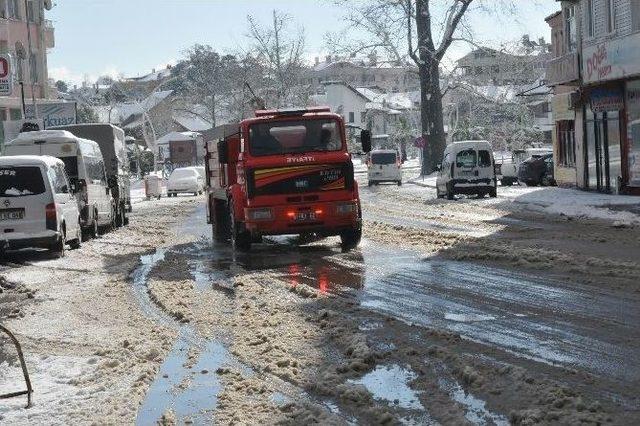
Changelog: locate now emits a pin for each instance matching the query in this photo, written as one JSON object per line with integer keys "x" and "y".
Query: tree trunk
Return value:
{"x": 431, "y": 117}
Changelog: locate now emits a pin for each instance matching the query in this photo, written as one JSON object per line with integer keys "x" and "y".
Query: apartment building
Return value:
{"x": 26, "y": 35}
{"x": 596, "y": 80}
{"x": 392, "y": 78}
{"x": 486, "y": 66}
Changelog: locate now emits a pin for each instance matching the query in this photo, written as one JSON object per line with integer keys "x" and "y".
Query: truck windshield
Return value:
{"x": 294, "y": 137}
{"x": 21, "y": 181}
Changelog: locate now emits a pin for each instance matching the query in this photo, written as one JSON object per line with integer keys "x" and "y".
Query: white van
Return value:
{"x": 85, "y": 167}
{"x": 385, "y": 165}
{"x": 37, "y": 206}
{"x": 468, "y": 167}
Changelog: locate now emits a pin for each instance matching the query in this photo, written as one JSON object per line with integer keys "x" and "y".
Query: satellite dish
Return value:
{"x": 21, "y": 53}
{"x": 48, "y": 4}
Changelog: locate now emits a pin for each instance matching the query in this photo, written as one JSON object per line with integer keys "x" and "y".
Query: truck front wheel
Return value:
{"x": 240, "y": 238}
{"x": 350, "y": 239}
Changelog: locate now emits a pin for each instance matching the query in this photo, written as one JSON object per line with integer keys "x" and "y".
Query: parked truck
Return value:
{"x": 284, "y": 172}
{"x": 111, "y": 140}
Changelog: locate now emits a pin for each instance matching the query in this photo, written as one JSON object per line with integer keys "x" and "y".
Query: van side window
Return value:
{"x": 58, "y": 180}
{"x": 484, "y": 158}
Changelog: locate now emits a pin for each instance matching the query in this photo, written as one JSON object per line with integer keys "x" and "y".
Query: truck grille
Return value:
{"x": 299, "y": 180}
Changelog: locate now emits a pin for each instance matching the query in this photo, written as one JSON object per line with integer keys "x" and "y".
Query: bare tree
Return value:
{"x": 281, "y": 54}
{"x": 420, "y": 31}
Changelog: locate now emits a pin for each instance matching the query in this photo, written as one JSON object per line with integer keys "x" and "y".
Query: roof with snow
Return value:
{"x": 178, "y": 136}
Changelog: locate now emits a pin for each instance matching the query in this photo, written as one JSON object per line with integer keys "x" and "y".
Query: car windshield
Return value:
{"x": 21, "y": 181}
{"x": 294, "y": 137}
{"x": 383, "y": 158}
{"x": 467, "y": 158}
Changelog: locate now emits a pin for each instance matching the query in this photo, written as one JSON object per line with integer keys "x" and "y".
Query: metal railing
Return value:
{"x": 25, "y": 373}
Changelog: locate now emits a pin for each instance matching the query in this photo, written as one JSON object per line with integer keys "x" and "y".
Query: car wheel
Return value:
{"x": 75, "y": 244}
{"x": 94, "y": 231}
{"x": 450, "y": 194}
{"x": 350, "y": 239}
{"x": 59, "y": 248}
{"x": 399, "y": 183}
{"x": 493, "y": 192}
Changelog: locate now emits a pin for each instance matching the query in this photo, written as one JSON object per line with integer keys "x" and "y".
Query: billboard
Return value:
{"x": 54, "y": 113}
{"x": 6, "y": 75}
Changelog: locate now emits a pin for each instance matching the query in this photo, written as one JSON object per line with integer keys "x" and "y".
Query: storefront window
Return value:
{"x": 633, "y": 131}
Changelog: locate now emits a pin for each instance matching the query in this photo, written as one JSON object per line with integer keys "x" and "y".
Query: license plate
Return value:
{"x": 305, "y": 216}
{"x": 12, "y": 214}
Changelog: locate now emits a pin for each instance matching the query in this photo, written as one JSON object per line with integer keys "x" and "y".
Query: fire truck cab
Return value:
{"x": 283, "y": 172}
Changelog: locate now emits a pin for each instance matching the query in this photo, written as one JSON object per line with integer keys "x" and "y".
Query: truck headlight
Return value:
{"x": 260, "y": 214}
{"x": 346, "y": 208}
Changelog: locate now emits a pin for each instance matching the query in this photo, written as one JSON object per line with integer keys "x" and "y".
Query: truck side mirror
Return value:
{"x": 365, "y": 138}
{"x": 223, "y": 152}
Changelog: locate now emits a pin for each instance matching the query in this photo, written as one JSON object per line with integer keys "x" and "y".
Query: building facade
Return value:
{"x": 362, "y": 73}
{"x": 26, "y": 35}
{"x": 596, "y": 79}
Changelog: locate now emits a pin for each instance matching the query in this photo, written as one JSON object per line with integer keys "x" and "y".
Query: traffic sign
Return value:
{"x": 6, "y": 75}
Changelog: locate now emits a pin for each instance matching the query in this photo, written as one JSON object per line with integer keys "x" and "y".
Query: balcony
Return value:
{"x": 563, "y": 70}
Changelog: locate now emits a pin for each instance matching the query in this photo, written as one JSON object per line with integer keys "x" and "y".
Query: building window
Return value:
{"x": 14, "y": 9}
{"x": 32, "y": 11}
{"x": 571, "y": 29}
{"x": 352, "y": 117}
{"x": 611, "y": 15}
{"x": 566, "y": 143}
{"x": 591, "y": 30}
{"x": 635, "y": 13}
{"x": 33, "y": 68}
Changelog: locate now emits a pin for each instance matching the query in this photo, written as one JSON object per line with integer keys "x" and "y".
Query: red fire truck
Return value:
{"x": 283, "y": 172}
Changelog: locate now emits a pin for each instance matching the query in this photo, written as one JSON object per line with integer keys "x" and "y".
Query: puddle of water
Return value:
{"x": 199, "y": 399}
{"x": 468, "y": 317}
{"x": 476, "y": 410}
{"x": 391, "y": 383}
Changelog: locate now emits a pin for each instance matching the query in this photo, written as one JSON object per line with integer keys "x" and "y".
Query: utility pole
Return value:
{"x": 31, "y": 65}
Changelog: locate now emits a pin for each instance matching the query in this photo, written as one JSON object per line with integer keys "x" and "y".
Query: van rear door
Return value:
{"x": 24, "y": 195}
{"x": 384, "y": 165}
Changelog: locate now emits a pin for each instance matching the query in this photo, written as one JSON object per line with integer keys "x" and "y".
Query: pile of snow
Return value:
{"x": 576, "y": 203}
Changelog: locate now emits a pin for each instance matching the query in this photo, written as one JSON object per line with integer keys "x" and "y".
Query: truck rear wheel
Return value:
{"x": 240, "y": 238}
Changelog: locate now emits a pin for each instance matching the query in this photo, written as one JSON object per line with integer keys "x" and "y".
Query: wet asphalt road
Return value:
{"x": 536, "y": 319}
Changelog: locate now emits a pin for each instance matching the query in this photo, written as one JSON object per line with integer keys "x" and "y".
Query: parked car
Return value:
{"x": 85, "y": 167}
{"x": 467, "y": 168}
{"x": 385, "y": 165}
{"x": 506, "y": 168}
{"x": 185, "y": 180}
{"x": 537, "y": 170}
{"x": 37, "y": 205}
{"x": 111, "y": 140}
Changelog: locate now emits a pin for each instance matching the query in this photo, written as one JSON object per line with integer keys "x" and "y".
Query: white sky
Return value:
{"x": 130, "y": 37}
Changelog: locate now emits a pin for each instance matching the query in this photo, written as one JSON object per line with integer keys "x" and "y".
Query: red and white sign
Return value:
{"x": 6, "y": 75}
{"x": 611, "y": 60}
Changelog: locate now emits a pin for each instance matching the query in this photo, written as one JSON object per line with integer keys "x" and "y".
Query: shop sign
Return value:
{"x": 633, "y": 132}
{"x": 563, "y": 106}
{"x": 611, "y": 60}
{"x": 606, "y": 99}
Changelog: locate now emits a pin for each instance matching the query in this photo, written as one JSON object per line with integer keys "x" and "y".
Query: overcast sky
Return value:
{"x": 130, "y": 37}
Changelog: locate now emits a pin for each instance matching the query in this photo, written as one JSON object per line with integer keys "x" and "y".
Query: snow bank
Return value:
{"x": 577, "y": 204}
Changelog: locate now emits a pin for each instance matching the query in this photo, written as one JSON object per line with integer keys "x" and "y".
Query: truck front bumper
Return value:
{"x": 324, "y": 219}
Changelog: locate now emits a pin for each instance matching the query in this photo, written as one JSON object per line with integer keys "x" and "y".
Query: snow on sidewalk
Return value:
{"x": 622, "y": 210}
